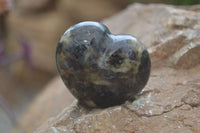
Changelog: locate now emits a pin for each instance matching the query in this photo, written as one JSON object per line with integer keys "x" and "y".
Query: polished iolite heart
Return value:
{"x": 99, "y": 68}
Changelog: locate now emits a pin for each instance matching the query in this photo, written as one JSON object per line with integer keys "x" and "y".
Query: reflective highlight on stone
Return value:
{"x": 99, "y": 68}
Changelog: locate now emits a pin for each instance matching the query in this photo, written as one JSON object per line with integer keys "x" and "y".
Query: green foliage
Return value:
{"x": 173, "y": 2}
{"x": 184, "y": 2}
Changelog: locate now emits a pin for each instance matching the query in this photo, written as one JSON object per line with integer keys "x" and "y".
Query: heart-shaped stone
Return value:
{"x": 99, "y": 68}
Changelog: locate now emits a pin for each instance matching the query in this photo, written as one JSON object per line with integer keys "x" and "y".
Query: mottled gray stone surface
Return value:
{"x": 99, "y": 68}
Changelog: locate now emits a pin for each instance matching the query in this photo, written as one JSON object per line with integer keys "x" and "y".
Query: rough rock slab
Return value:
{"x": 171, "y": 33}
{"x": 170, "y": 102}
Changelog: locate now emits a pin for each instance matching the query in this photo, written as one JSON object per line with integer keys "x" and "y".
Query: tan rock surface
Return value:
{"x": 170, "y": 101}
{"x": 171, "y": 33}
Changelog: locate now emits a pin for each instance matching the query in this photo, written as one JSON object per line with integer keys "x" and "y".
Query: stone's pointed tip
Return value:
{"x": 102, "y": 69}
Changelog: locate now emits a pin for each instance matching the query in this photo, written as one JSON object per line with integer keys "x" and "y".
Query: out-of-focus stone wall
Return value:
{"x": 42, "y": 22}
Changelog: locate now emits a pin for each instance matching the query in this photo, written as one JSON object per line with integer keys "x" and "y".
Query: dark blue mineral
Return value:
{"x": 99, "y": 68}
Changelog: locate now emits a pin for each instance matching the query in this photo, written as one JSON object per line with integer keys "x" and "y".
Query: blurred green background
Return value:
{"x": 173, "y": 2}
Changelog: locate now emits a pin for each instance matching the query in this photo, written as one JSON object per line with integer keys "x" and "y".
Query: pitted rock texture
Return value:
{"x": 99, "y": 68}
{"x": 170, "y": 101}
{"x": 171, "y": 33}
